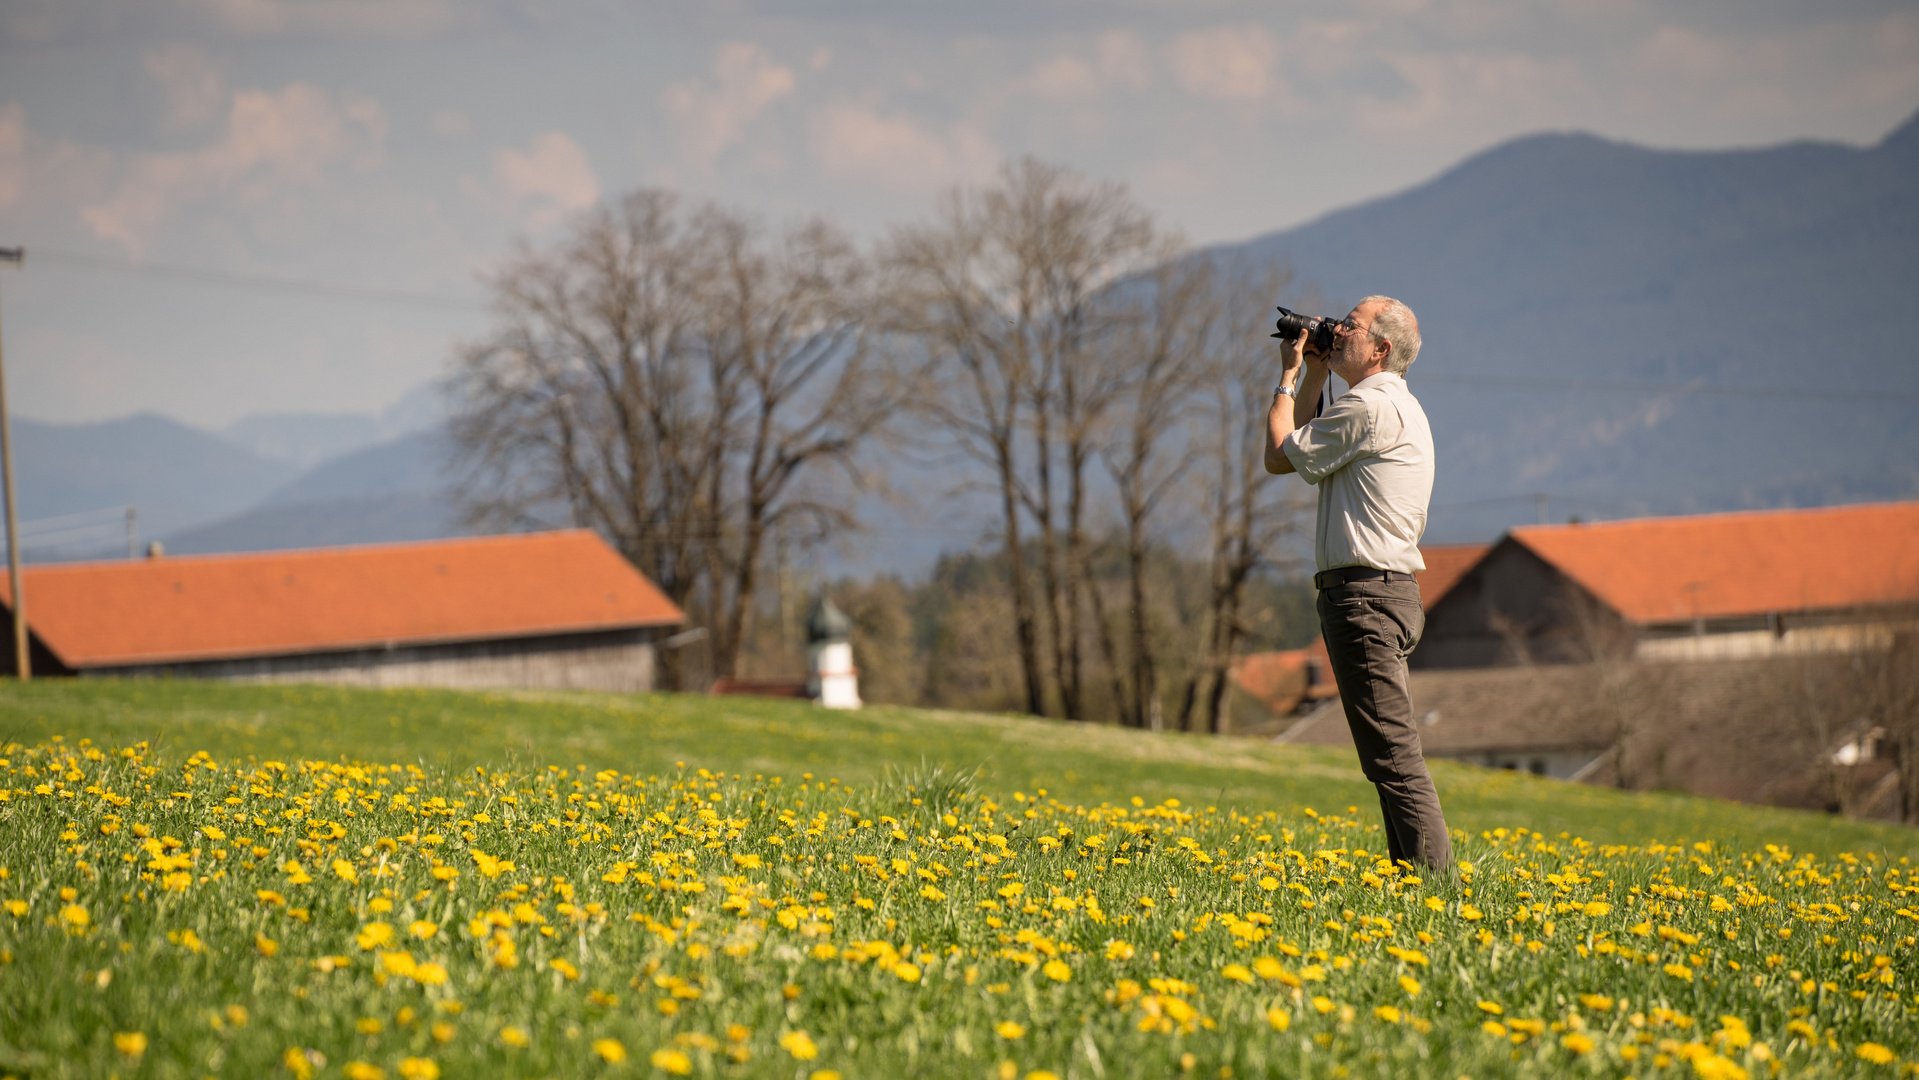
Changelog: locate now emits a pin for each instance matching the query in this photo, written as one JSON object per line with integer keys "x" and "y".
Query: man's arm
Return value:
{"x": 1281, "y": 420}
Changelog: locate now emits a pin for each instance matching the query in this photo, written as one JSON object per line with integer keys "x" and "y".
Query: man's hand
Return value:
{"x": 1292, "y": 358}
{"x": 1280, "y": 417}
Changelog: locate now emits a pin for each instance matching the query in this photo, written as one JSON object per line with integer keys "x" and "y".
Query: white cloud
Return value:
{"x": 195, "y": 91}
{"x": 541, "y": 185}
{"x": 1227, "y": 63}
{"x": 708, "y": 119}
{"x": 1120, "y": 59}
{"x": 274, "y": 144}
{"x": 360, "y": 17}
{"x": 856, "y": 142}
{"x": 452, "y": 123}
{"x": 38, "y": 177}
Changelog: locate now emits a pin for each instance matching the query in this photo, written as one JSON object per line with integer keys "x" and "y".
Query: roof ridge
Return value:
{"x": 334, "y": 550}
{"x": 1715, "y": 516}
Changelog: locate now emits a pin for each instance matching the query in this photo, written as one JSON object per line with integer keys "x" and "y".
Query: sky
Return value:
{"x": 155, "y": 155}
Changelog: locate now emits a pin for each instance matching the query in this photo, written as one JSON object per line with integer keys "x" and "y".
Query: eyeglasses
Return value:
{"x": 1349, "y": 326}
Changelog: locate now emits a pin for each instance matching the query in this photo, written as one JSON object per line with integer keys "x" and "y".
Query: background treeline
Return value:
{"x": 944, "y": 641}
{"x": 714, "y": 395}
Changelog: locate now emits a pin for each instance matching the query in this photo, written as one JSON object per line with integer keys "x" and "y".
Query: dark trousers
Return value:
{"x": 1370, "y": 628}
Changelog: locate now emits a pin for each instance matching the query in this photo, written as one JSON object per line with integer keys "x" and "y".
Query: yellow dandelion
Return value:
{"x": 1237, "y": 973}
{"x": 824, "y": 1074}
{"x": 610, "y": 1051}
{"x": 1007, "y": 1029}
{"x": 515, "y": 1037}
{"x": 1493, "y": 1007}
{"x": 422, "y": 929}
{"x": 1279, "y": 1019}
{"x": 361, "y": 1070}
{"x": 1409, "y": 984}
{"x": 1596, "y": 1002}
{"x": 75, "y": 917}
{"x": 134, "y": 1043}
{"x": 265, "y": 945}
{"x": 17, "y": 908}
{"x": 907, "y": 972}
{"x": 374, "y": 935}
{"x": 564, "y": 968}
{"x": 416, "y": 1068}
{"x": 1577, "y": 1043}
{"x": 672, "y": 1061}
{"x": 1057, "y": 970}
{"x": 344, "y": 870}
{"x": 1323, "y": 1004}
{"x": 1596, "y": 908}
{"x": 1119, "y": 950}
{"x": 1874, "y": 1053}
{"x": 1387, "y": 1013}
{"x": 297, "y": 1063}
{"x": 1679, "y": 971}
{"x": 800, "y": 1045}
{"x": 1494, "y": 1028}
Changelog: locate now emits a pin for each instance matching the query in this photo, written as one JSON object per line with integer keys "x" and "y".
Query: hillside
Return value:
{"x": 1567, "y": 258}
{"x": 177, "y": 476}
{"x": 653, "y": 733}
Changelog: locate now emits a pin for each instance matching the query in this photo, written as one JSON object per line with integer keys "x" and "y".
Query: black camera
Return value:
{"x": 1319, "y": 331}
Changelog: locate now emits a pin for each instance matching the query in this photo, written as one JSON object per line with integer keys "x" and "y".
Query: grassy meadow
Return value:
{"x": 212, "y": 880}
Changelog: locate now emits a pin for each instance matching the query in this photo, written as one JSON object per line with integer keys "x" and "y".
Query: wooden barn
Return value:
{"x": 555, "y": 609}
{"x": 1713, "y": 586}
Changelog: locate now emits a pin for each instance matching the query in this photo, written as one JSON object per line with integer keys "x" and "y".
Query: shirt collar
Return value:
{"x": 1380, "y": 379}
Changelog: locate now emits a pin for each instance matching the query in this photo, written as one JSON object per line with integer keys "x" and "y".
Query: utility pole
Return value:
{"x": 24, "y": 668}
{"x": 132, "y": 546}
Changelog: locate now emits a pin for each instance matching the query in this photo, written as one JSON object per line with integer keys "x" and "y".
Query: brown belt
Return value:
{"x": 1346, "y": 575}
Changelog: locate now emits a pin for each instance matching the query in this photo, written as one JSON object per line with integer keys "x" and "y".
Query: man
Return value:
{"x": 1371, "y": 456}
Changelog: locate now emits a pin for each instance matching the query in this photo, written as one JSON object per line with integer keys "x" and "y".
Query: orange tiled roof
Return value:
{"x": 1445, "y": 565}
{"x": 1281, "y": 679}
{"x": 1665, "y": 570}
{"x": 206, "y": 607}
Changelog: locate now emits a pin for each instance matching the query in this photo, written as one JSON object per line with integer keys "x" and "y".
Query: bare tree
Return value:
{"x": 1002, "y": 289}
{"x": 1150, "y": 454}
{"x": 1248, "y": 516}
{"x": 668, "y": 377}
{"x": 786, "y": 325}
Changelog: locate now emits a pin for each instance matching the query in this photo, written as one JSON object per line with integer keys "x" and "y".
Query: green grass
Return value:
{"x": 320, "y": 883}
{"x": 649, "y": 733}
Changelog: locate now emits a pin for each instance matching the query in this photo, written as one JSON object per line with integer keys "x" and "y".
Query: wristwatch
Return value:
{"x": 1291, "y": 391}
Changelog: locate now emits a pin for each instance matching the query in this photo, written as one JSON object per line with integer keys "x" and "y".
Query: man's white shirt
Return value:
{"x": 1371, "y": 456}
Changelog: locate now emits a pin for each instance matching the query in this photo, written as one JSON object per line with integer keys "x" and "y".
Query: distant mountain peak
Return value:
{"x": 1903, "y": 139}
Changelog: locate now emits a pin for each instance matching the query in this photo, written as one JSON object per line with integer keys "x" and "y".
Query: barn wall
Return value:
{"x": 1515, "y": 608}
{"x": 620, "y": 661}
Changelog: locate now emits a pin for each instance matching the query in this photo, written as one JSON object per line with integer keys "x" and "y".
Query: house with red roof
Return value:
{"x": 1702, "y": 587}
{"x": 555, "y": 609}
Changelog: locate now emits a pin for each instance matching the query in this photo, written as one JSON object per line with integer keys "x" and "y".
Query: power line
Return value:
{"x": 201, "y": 275}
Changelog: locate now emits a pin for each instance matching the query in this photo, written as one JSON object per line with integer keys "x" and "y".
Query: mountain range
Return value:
{"x": 1631, "y": 331}
{"x": 1609, "y": 330}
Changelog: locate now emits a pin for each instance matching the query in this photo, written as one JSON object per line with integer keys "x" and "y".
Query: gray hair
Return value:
{"x": 1400, "y": 327}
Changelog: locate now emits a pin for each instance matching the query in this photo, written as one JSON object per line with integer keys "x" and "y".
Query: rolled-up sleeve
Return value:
{"x": 1336, "y": 437}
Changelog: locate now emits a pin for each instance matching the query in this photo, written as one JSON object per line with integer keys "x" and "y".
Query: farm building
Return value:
{"x": 555, "y": 609}
{"x": 1716, "y": 586}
